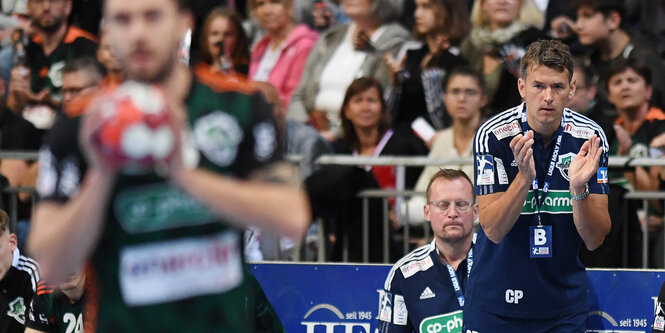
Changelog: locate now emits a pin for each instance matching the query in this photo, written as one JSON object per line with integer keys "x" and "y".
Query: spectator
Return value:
{"x": 54, "y": 310}
{"x": 501, "y": 32}
{"x": 599, "y": 26}
{"x": 279, "y": 57}
{"x": 224, "y": 45}
{"x": 465, "y": 98}
{"x": 80, "y": 76}
{"x": 441, "y": 24}
{"x": 357, "y": 48}
{"x": 333, "y": 189}
{"x": 629, "y": 84}
{"x": 54, "y": 43}
{"x": 428, "y": 283}
{"x": 16, "y": 284}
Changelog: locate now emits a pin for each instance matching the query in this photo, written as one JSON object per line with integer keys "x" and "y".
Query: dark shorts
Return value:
{"x": 478, "y": 321}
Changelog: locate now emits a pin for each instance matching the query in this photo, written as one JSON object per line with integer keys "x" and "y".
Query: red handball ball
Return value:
{"x": 135, "y": 134}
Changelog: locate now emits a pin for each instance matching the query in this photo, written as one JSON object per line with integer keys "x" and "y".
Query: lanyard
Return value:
{"x": 453, "y": 275}
{"x": 540, "y": 199}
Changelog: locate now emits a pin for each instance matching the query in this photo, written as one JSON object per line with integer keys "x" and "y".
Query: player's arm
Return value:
{"x": 270, "y": 198}
{"x": 63, "y": 235}
{"x": 591, "y": 215}
{"x": 66, "y": 228}
{"x": 32, "y": 330}
{"x": 499, "y": 211}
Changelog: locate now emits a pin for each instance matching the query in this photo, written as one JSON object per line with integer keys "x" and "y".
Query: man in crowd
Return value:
{"x": 57, "y": 310}
{"x": 79, "y": 76}
{"x": 426, "y": 287}
{"x": 88, "y": 217}
{"x": 39, "y": 80}
{"x": 15, "y": 285}
{"x": 599, "y": 25}
{"x": 541, "y": 193}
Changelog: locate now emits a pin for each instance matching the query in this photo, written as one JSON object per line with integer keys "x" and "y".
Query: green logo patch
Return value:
{"x": 446, "y": 323}
{"x": 158, "y": 207}
{"x": 556, "y": 202}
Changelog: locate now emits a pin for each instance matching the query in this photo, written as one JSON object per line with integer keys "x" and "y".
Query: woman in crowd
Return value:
{"x": 279, "y": 57}
{"x": 465, "y": 97}
{"x": 335, "y": 61}
{"x": 333, "y": 189}
{"x": 224, "y": 45}
{"x": 441, "y": 24}
{"x": 502, "y": 29}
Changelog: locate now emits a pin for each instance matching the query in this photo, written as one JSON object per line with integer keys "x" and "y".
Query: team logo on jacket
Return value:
{"x": 17, "y": 310}
{"x": 564, "y": 163}
{"x": 218, "y": 135}
{"x": 485, "y": 170}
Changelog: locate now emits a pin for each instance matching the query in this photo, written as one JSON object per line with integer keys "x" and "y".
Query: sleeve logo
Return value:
{"x": 485, "y": 170}
{"x": 601, "y": 176}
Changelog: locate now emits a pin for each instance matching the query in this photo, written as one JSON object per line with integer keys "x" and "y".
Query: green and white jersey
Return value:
{"x": 164, "y": 262}
{"x": 52, "y": 311}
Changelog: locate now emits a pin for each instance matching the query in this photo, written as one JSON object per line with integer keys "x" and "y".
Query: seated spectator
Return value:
{"x": 57, "y": 309}
{"x": 441, "y": 24}
{"x": 599, "y": 26}
{"x": 79, "y": 76}
{"x": 279, "y": 57}
{"x": 428, "y": 283}
{"x": 465, "y": 98}
{"x": 629, "y": 84}
{"x": 333, "y": 189}
{"x": 16, "y": 284}
{"x": 342, "y": 54}
{"x": 501, "y": 32}
{"x": 224, "y": 45}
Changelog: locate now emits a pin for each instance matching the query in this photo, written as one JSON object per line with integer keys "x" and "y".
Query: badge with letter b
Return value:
{"x": 540, "y": 241}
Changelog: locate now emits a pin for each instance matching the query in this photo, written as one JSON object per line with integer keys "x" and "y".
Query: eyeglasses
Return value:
{"x": 460, "y": 205}
{"x": 466, "y": 92}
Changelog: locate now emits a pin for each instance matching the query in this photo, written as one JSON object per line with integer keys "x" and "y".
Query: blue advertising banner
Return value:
{"x": 334, "y": 298}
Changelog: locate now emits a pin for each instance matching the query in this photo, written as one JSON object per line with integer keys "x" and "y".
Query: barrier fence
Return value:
{"x": 400, "y": 193}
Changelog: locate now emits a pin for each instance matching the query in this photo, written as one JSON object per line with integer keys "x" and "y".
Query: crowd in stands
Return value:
{"x": 367, "y": 78}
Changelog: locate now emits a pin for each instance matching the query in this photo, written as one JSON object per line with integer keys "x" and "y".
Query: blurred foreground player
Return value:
{"x": 164, "y": 247}
{"x": 57, "y": 310}
{"x": 541, "y": 181}
{"x": 426, "y": 287}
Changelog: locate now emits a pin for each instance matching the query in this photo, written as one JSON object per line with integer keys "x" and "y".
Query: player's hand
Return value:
{"x": 521, "y": 145}
{"x": 90, "y": 122}
{"x": 585, "y": 164}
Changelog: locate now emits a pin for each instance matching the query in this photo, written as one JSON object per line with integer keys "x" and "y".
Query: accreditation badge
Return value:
{"x": 540, "y": 241}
